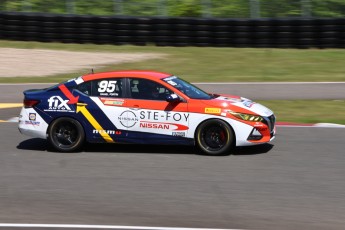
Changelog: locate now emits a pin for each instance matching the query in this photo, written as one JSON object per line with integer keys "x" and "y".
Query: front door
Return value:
{"x": 152, "y": 117}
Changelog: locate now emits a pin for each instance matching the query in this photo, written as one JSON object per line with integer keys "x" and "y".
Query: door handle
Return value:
{"x": 135, "y": 107}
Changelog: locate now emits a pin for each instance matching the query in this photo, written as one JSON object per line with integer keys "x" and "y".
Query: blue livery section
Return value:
{"x": 55, "y": 102}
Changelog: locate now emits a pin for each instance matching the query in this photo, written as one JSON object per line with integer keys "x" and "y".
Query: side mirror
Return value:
{"x": 172, "y": 98}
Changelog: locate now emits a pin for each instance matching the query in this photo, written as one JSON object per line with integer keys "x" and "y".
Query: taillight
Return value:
{"x": 30, "y": 103}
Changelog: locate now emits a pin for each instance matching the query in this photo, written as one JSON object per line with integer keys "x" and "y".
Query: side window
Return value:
{"x": 107, "y": 88}
{"x": 85, "y": 88}
{"x": 147, "y": 90}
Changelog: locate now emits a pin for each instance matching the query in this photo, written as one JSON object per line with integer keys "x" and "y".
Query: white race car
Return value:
{"x": 143, "y": 107}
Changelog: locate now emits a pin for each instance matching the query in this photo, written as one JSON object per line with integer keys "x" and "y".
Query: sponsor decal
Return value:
{"x": 230, "y": 99}
{"x": 109, "y": 94}
{"x": 248, "y": 104}
{"x": 35, "y": 123}
{"x": 57, "y": 104}
{"x": 179, "y": 134}
{"x": 32, "y": 116}
{"x": 213, "y": 110}
{"x": 153, "y": 125}
{"x": 112, "y": 102}
{"x": 172, "y": 83}
{"x": 162, "y": 125}
{"x": 170, "y": 78}
{"x": 167, "y": 116}
{"x": 96, "y": 131}
{"x": 128, "y": 119}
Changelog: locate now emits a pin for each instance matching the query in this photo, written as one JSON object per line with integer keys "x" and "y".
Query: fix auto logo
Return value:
{"x": 57, "y": 104}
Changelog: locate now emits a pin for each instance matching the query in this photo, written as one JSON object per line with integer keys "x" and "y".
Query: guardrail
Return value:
{"x": 164, "y": 31}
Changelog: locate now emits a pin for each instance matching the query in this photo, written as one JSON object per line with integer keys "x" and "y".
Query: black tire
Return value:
{"x": 66, "y": 134}
{"x": 215, "y": 137}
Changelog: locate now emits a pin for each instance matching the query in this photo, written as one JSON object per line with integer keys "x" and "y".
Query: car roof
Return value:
{"x": 126, "y": 73}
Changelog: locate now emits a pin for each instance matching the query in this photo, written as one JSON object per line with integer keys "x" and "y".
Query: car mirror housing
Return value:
{"x": 173, "y": 98}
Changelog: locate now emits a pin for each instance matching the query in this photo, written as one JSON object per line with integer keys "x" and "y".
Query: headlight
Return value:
{"x": 246, "y": 117}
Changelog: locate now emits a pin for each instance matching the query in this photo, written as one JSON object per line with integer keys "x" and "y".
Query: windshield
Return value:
{"x": 188, "y": 89}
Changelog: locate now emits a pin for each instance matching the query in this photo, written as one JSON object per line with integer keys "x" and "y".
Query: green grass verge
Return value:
{"x": 308, "y": 111}
{"x": 206, "y": 64}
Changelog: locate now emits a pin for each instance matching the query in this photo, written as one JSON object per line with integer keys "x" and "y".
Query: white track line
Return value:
{"x": 13, "y": 119}
{"x": 83, "y": 226}
{"x": 318, "y": 125}
{"x": 329, "y": 125}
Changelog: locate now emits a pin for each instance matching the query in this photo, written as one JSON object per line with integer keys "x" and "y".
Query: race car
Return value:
{"x": 143, "y": 107}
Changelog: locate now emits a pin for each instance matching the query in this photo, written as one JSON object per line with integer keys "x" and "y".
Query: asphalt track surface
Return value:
{"x": 296, "y": 182}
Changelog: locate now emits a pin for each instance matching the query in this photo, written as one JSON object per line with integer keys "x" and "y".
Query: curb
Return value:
{"x": 316, "y": 125}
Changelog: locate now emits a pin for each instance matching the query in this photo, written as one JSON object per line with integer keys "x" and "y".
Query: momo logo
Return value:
{"x": 97, "y": 131}
{"x": 128, "y": 119}
{"x": 56, "y": 103}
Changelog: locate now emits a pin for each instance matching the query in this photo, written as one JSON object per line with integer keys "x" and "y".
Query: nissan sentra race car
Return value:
{"x": 142, "y": 107}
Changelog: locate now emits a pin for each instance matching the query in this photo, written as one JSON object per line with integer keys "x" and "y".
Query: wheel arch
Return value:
{"x": 72, "y": 117}
{"x": 214, "y": 118}
{"x": 74, "y": 134}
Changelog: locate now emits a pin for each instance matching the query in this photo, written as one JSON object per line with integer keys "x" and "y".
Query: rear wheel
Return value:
{"x": 66, "y": 134}
{"x": 215, "y": 137}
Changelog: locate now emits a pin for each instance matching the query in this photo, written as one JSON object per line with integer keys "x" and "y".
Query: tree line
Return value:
{"x": 183, "y": 8}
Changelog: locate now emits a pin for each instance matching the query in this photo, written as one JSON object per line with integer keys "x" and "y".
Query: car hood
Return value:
{"x": 231, "y": 102}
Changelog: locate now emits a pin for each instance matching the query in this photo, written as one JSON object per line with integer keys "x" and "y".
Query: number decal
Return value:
{"x": 102, "y": 86}
{"x": 107, "y": 86}
{"x": 111, "y": 86}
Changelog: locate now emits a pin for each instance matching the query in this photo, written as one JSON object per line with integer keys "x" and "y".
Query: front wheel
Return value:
{"x": 215, "y": 137}
{"x": 66, "y": 134}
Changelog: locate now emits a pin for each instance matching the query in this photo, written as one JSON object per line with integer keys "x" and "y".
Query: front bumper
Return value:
{"x": 253, "y": 133}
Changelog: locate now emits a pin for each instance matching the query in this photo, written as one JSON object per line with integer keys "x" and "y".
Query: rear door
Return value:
{"x": 101, "y": 103}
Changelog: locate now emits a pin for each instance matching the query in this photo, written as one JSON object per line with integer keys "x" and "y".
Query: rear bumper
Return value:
{"x": 32, "y": 133}
{"x": 32, "y": 124}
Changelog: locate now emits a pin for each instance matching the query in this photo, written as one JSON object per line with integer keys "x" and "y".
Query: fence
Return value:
{"x": 183, "y": 8}
{"x": 165, "y": 31}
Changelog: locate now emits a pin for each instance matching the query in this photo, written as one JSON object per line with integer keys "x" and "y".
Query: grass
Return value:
{"x": 207, "y": 64}
{"x": 308, "y": 111}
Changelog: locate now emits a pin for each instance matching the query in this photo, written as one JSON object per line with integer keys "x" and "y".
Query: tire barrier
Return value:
{"x": 163, "y": 31}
